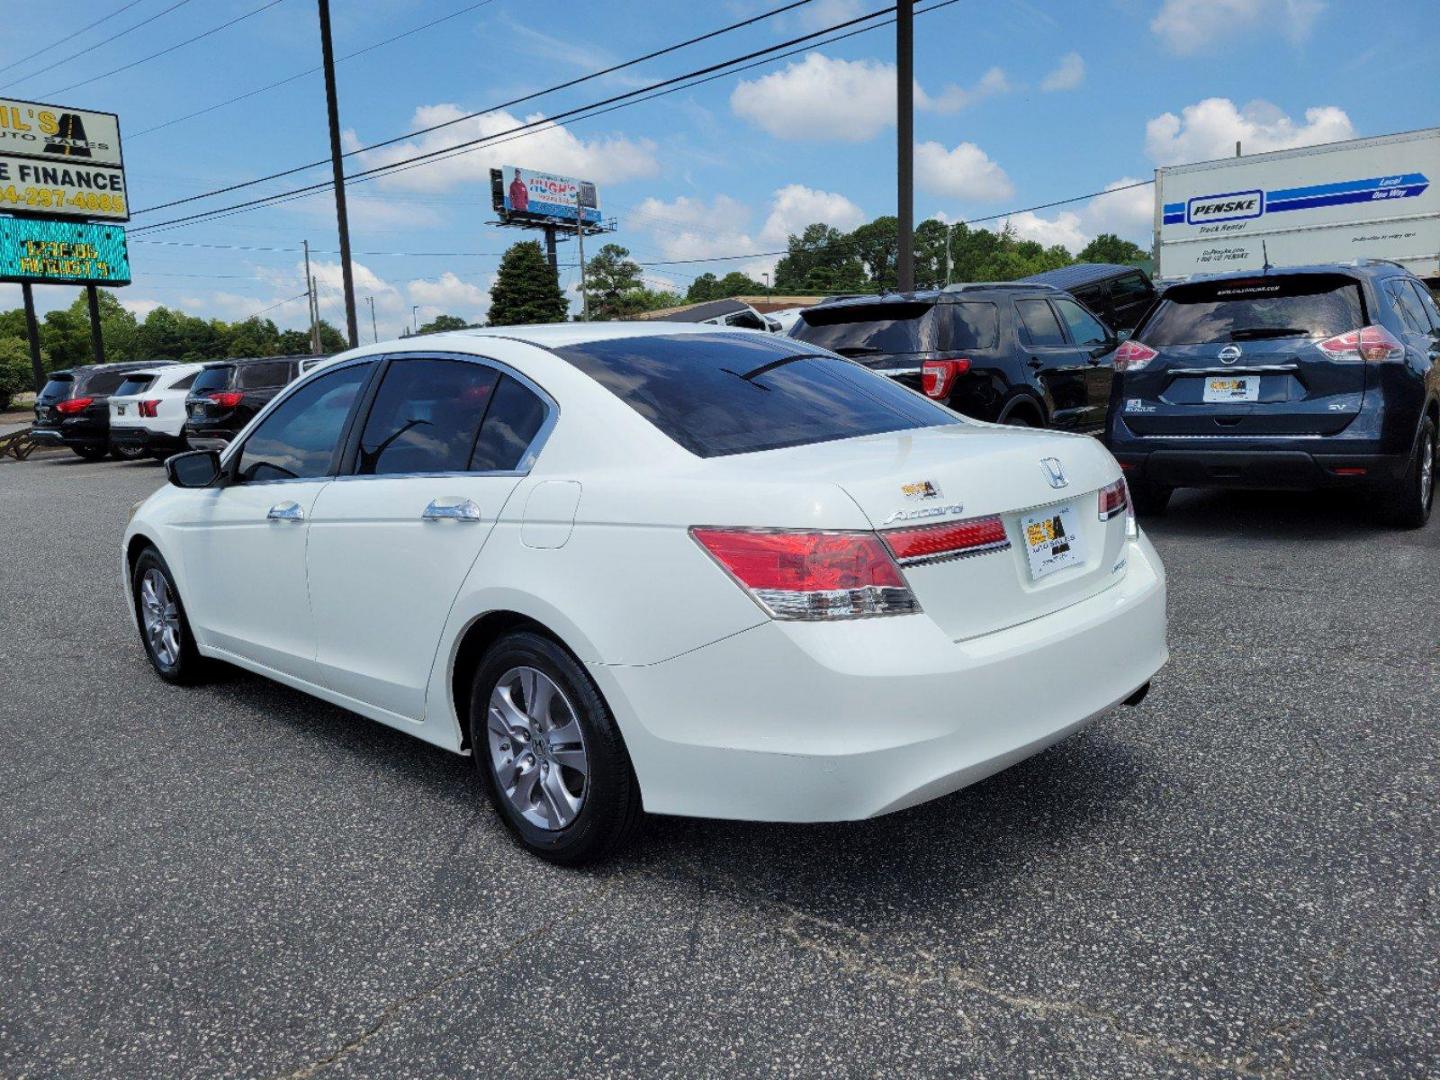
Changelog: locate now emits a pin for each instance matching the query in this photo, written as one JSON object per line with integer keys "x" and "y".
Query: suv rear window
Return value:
{"x": 860, "y": 329}
{"x": 58, "y": 388}
{"x": 134, "y": 384}
{"x": 269, "y": 373}
{"x": 212, "y": 378}
{"x": 1251, "y": 309}
{"x": 722, "y": 394}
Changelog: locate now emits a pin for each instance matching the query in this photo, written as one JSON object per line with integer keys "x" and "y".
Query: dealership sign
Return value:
{"x": 523, "y": 195}
{"x": 62, "y": 252}
{"x": 61, "y": 162}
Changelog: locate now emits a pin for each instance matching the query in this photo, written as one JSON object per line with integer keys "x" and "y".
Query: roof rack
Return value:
{"x": 977, "y": 285}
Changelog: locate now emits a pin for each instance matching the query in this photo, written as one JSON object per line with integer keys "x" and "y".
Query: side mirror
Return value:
{"x": 195, "y": 469}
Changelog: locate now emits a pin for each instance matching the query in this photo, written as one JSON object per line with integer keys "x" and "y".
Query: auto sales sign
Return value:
{"x": 57, "y": 161}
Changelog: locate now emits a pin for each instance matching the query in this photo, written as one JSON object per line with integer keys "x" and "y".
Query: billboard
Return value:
{"x": 61, "y": 162}
{"x": 49, "y": 252}
{"x": 523, "y": 195}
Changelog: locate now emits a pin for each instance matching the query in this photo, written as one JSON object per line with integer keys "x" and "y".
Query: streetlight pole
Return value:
{"x": 580, "y": 241}
{"x": 375, "y": 330}
{"x": 342, "y": 218}
{"x": 414, "y": 318}
{"x": 905, "y": 139}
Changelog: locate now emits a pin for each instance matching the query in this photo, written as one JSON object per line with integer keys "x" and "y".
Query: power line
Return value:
{"x": 98, "y": 44}
{"x": 164, "y": 52}
{"x": 489, "y": 109}
{"x": 71, "y": 36}
{"x": 311, "y": 71}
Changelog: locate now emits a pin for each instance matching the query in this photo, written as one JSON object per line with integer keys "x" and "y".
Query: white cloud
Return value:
{"x": 546, "y": 147}
{"x": 826, "y": 13}
{"x": 1128, "y": 213}
{"x": 819, "y": 98}
{"x": 1209, "y": 129}
{"x": 795, "y": 206}
{"x": 449, "y": 295}
{"x": 1064, "y": 228}
{"x": 1191, "y": 26}
{"x": 965, "y": 172}
{"x": 138, "y": 306}
{"x": 1068, "y": 74}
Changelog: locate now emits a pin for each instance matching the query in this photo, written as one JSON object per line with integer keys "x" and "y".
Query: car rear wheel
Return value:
{"x": 1409, "y": 501}
{"x": 90, "y": 453}
{"x": 1150, "y": 499}
{"x": 164, "y": 629}
{"x": 549, "y": 752}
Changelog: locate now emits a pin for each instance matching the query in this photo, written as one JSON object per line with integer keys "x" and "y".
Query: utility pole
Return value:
{"x": 342, "y": 218}
{"x": 580, "y": 240}
{"x": 97, "y": 340}
{"x": 947, "y": 253}
{"x": 32, "y": 331}
{"x": 415, "y": 318}
{"x": 905, "y": 139}
{"x": 550, "y": 252}
{"x": 375, "y": 330}
{"x": 311, "y": 304}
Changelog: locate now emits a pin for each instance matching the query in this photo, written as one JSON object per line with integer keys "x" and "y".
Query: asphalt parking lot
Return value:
{"x": 1239, "y": 877}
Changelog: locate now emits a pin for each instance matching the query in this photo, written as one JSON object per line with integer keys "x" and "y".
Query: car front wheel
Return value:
{"x": 164, "y": 629}
{"x": 549, "y": 752}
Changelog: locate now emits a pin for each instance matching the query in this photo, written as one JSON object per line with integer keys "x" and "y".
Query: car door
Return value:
{"x": 445, "y": 441}
{"x": 1092, "y": 337}
{"x": 1060, "y": 367}
{"x": 244, "y": 543}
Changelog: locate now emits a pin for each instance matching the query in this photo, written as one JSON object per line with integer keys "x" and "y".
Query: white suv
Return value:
{"x": 147, "y": 411}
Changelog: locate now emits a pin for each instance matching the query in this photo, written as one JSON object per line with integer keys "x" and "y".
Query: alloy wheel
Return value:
{"x": 537, "y": 748}
{"x": 160, "y": 615}
{"x": 1427, "y": 472}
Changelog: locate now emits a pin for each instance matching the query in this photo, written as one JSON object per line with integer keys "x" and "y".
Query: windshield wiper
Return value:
{"x": 1254, "y": 333}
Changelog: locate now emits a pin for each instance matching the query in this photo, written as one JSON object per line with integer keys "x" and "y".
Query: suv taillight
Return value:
{"x": 74, "y": 405}
{"x": 1367, "y": 343}
{"x": 1133, "y": 355}
{"x": 148, "y": 408}
{"x": 811, "y": 575}
{"x": 937, "y": 377}
{"x": 226, "y": 399}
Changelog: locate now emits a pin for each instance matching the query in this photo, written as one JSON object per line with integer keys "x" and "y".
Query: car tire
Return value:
{"x": 553, "y": 763}
{"x": 128, "y": 453}
{"x": 1410, "y": 499}
{"x": 91, "y": 453}
{"x": 170, "y": 645}
{"x": 1150, "y": 500}
{"x": 1018, "y": 419}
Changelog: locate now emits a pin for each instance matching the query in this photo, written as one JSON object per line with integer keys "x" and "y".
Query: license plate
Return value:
{"x": 1232, "y": 388}
{"x": 1052, "y": 540}
{"x": 196, "y": 410}
{"x": 119, "y": 410}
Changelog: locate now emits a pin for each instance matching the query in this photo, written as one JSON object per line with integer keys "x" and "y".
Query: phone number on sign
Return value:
{"x": 56, "y": 197}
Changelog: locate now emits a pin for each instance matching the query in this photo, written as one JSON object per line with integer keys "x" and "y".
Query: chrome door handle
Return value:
{"x": 451, "y": 510}
{"x": 286, "y": 511}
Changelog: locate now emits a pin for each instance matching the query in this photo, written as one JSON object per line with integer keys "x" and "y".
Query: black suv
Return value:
{"x": 227, "y": 394}
{"x": 1307, "y": 377}
{"x": 1120, "y": 295}
{"x": 1007, "y": 352}
{"x": 73, "y": 408}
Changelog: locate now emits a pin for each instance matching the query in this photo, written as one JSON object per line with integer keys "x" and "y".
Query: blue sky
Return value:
{"x": 1019, "y": 103}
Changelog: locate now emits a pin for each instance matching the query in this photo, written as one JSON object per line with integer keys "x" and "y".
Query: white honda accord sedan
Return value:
{"x": 679, "y": 570}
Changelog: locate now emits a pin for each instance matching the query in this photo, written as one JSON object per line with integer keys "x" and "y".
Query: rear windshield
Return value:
{"x": 134, "y": 384}
{"x": 724, "y": 394}
{"x": 58, "y": 388}
{"x": 212, "y": 378}
{"x": 1252, "y": 309}
{"x": 269, "y": 373}
{"x": 896, "y": 327}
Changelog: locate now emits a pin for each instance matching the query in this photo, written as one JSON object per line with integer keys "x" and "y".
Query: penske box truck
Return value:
{"x": 1361, "y": 199}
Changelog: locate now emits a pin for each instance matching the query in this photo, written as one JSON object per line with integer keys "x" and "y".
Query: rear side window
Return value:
{"x": 1427, "y": 304}
{"x": 269, "y": 373}
{"x": 861, "y": 329}
{"x": 724, "y": 394}
{"x": 298, "y": 438}
{"x": 510, "y": 426}
{"x": 212, "y": 378}
{"x": 1252, "y": 309}
{"x": 426, "y": 417}
{"x": 1409, "y": 305}
{"x": 186, "y": 383}
{"x": 1041, "y": 326}
{"x": 134, "y": 384}
{"x": 969, "y": 326}
{"x": 1130, "y": 289}
{"x": 103, "y": 382}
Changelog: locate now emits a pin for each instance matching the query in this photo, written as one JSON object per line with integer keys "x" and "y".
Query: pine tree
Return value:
{"x": 525, "y": 289}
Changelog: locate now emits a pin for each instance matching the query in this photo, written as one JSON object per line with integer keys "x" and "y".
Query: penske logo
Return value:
{"x": 1230, "y": 206}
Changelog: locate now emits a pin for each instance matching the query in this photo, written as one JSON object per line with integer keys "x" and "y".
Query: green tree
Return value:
{"x": 819, "y": 260}
{"x": 703, "y": 289}
{"x": 15, "y": 374}
{"x": 331, "y": 340}
{"x": 252, "y": 337}
{"x": 293, "y": 342}
{"x": 525, "y": 289}
{"x": 878, "y": 246}
{"x": 609, "y": 277}
{"x": 1109, "y": 248}
{"x": 441, "y": 323}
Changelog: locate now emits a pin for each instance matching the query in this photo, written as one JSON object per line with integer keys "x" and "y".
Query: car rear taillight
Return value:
{"x": 1367, "y": 343}
{"x": 1133, "y": 355}
{"x": 226, "y": 399}
{"x": 937, "y": 377}
{"x": 1115, "y": 498}
{"x": 148, "y": 408}
{"x": 953, "y": 540}
{"x": 811, "y": 575}
{"x": 74, "y": 405}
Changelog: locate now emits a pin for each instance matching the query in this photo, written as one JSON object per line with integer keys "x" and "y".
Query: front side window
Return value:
{"x": 718, "y": 394}
{"x": 298, "y": 438}
{"x": 1409, "y": 306}
{"x": 426, "y": 417}
{"x": 1314, "y": 306}
{"x": 1085, "y": 329}
{"x": 268, "y": 373}
{"x": 1427, "y": 304}
{"x": 1040, "y": 324}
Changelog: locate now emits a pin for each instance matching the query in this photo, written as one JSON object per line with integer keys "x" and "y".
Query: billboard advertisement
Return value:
{"x": 52, "y": 252}
{"x": 527, "y": 195}
{"x": 61, "y": 162}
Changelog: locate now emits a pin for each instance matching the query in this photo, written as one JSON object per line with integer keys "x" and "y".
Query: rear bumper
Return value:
{"x": 1282, "y": 467}
{"x": 156, "y": 442}
{"x": 842, "y": 721}
{"x": 87, "y": 435}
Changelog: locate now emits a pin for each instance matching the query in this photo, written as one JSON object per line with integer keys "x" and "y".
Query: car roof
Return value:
{"x": 119, "y": 365}
{"x": 950, "y": 294}
{"x": 555, "y": 335}
{"x": 1078, "y": 274}
{"x": 1360, "y": 268}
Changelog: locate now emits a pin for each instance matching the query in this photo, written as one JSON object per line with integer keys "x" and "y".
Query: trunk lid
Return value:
{"x": 932, "y": 476}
